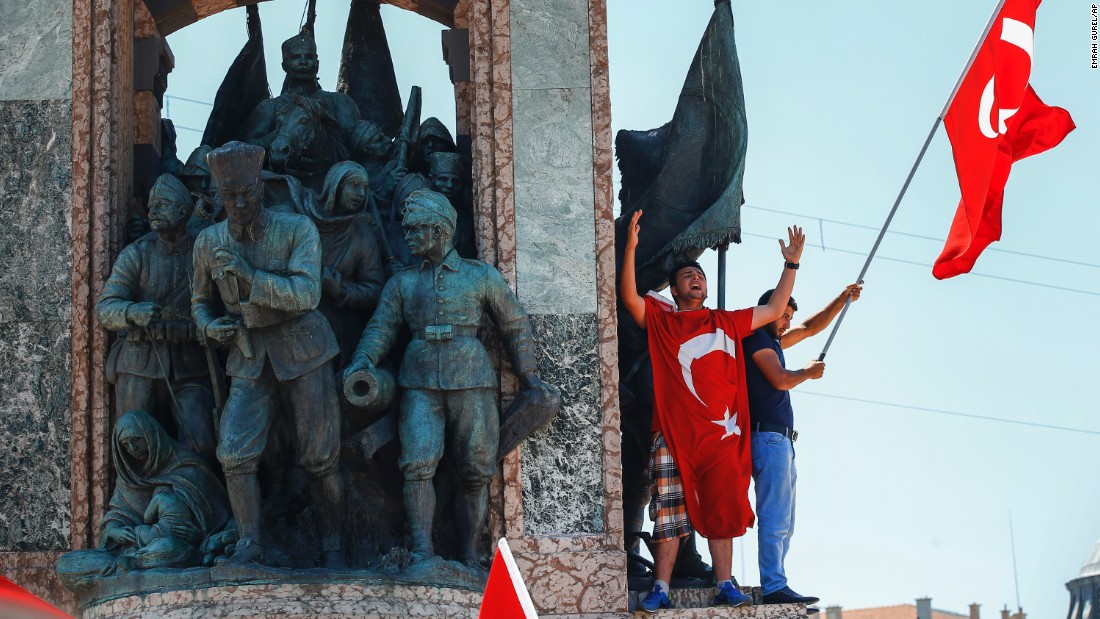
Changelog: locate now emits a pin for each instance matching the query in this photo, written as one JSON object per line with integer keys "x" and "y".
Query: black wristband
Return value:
{"x": 791, "y": 265}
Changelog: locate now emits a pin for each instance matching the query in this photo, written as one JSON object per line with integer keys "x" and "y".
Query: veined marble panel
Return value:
{"x": 34, "y": 429}
{"x": 35, "y": 196}
{"x": 555, "y": 231}
{"x": 549, "y": 44}
{"x": 562, "y": 465}
{"x": 35, "y": 199}
{"x": 36, "y": 49}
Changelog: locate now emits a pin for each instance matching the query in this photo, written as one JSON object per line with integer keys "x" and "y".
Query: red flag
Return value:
{"x": 995, "y": 120}
{"x": 18, "y": 603}
{"x": 701, "y": 407}
{"x": 505, "y": 596}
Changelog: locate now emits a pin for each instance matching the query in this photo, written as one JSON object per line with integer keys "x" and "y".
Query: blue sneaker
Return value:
{"x": 655, "y": 600}
{"x": 729, "y": 595}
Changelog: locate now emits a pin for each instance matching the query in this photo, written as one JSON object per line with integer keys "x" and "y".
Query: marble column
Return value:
{"x": 554, "y": 231}
{"x": 35, "y": 288}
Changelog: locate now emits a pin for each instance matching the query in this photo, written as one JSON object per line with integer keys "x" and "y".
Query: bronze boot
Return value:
{"x": 244, "y": 498}
{"x": 332, "y": 493}
{"x": 420, "y": 509}
{"x": 473, "y": 512}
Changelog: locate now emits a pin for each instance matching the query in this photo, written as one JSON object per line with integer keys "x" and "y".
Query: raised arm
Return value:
{"x": 763, "y": 314}
{"x": 628, "y": 283}
{"x": 816, "y": 324}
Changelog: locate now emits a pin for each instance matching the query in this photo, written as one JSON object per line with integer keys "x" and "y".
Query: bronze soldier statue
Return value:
{"x": 257, "y": 287}
{"x": 161, "y": 366}
{"x": 321, "y": 133}
{"x": 449, "y": 385}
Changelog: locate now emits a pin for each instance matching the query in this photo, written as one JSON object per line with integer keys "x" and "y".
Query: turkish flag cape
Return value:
{"x": 505, "y": 596}
{"x": 701, "y": 406}
{"x": 995, "y": 120}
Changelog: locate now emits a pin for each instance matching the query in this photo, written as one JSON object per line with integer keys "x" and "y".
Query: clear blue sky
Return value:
{"x": 894, "y": 503}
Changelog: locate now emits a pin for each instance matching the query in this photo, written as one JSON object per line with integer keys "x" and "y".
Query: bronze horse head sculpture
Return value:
{"x": 307, "y": 139}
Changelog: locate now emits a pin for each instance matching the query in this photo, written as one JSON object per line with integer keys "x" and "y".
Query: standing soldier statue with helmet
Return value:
{"x": 449, "y": 396}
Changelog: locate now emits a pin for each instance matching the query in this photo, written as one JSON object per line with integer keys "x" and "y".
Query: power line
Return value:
{"x": 940, "y": 411}
{"x": 923, "y": 237}
{"x": 928, "y": 266}
{"x": 206, "y": 103}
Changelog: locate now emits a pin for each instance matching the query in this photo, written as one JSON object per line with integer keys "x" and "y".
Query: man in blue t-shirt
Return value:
{"x": 773, "y": 435}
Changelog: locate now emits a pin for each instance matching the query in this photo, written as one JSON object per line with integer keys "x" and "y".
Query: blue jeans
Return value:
{"x": 775, "y": 476}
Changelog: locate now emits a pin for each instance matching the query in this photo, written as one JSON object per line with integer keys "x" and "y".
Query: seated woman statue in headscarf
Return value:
{"x": 166, "y": 501}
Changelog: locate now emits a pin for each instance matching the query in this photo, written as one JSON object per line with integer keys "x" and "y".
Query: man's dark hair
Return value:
{"x": 764, "y": 298}
{"x": 679, "y": 267}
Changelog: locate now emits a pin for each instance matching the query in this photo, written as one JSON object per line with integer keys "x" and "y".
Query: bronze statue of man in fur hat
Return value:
{"x": 257, "y": 287}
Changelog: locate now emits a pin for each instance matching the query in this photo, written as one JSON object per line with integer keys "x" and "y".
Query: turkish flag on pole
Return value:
{"x": 994, "y": 120}
{"x": 18, "y": 603}
{"x": 505, "y": 596}
{"x": 701, "y": 406}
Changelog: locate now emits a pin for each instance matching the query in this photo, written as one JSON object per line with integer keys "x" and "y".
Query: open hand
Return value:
{"x": 633, "y": 229}
{"x": 797, "y": 240}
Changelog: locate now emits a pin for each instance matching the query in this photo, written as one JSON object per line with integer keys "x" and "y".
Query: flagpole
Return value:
{"x": 722, "y": 275}
{"x": 912, "y": 172}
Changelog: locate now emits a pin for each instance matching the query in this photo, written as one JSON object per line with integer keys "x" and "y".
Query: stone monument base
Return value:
{"x": 253, "y": 591}
{"x": 310, "y": 600}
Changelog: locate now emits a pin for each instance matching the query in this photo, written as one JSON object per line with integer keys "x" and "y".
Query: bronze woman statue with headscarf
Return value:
{"x": 166, "y": 501}
{"x": 351, "y": 265}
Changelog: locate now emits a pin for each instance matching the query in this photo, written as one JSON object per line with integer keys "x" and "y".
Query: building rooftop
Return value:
{"x": 1092, "y": 565}
{"x": 901, "y": 611}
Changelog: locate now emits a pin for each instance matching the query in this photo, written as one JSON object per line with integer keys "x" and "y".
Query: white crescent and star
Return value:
{"x": 729, "y": 424}
{"x": 697, "y": 347}
{"x": 1020, "y": 35}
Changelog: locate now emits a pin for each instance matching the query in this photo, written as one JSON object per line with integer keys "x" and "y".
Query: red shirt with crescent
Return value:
{"x": 702, "y": 407}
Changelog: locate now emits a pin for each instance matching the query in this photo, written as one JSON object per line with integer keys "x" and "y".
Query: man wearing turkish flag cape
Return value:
{"x": 701, "y": 457}
{"x": 994, "y": 120}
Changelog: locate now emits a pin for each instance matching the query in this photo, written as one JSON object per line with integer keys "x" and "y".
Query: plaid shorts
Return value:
{"x": 667, "y": 507}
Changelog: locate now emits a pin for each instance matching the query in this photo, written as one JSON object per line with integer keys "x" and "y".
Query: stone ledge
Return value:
{"x": 575, "y": 581}
{"x": 314, "y": 600}
{"x": 689, "y": 600}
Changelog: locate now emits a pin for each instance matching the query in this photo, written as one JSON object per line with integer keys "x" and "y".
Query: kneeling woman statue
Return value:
{"x": 166, "y": 502}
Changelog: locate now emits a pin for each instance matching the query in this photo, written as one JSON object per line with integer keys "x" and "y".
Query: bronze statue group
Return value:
{"x": 282, "y": 282}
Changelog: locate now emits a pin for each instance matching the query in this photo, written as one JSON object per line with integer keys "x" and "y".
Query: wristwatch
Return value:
{"x": 791, "y": 265}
